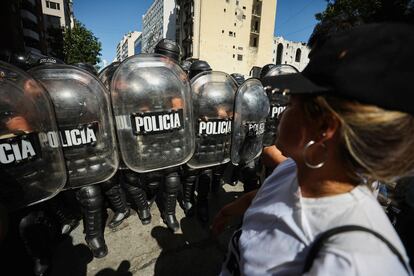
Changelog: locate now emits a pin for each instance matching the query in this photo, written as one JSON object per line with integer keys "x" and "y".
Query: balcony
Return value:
{"x": 256, "y": 14}
{"x": 31, "y": 34}
{"x": 28, "y": 15}
{"x": 33, "y": 2}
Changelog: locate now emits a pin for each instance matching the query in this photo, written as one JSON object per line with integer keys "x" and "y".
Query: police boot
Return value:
{"x": 135, "y": 190}
{"x": 172, "y": 182}
{"x": 217, "y": 181}
{"x": 67, "y": 221}
{"x": 91, "y": 199}
{"x": 117, "y": 200}
{"x": 202, "y": 197}
{"x": 152, "y": 185}
{"x": 249, "y": 177}
{"x": 187, "y": 201}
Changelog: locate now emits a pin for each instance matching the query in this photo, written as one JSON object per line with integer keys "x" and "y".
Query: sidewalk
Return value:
{"x": 135, "y": 249}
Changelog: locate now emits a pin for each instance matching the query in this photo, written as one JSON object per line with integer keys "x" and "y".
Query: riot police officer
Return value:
{"x": 32, "y": 169}
{"x": 153, "y": 88}
{"x": 87, "y": 135}
{"x": 208, "y": 171}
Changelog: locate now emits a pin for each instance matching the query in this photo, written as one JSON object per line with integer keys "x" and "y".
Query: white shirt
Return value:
{"x": 280, "y": 224}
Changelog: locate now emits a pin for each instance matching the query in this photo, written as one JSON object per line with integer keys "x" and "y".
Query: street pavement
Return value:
{"x": 136, "y": 249}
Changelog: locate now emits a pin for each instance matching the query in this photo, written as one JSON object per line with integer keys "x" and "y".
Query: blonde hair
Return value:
{"x": 376, "y": 144}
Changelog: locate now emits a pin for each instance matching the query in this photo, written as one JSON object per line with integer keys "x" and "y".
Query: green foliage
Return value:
{"x": 80, "y": 45}
{"x": 365, "y": 11}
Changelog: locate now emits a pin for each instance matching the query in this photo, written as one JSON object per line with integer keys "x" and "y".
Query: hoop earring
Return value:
{"x": 306, "y": 148}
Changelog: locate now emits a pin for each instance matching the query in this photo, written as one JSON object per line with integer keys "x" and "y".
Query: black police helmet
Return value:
{"x": 86, "y": 66}
{"x": 168, "y": 48}
{"x": 265, "y": 69}
{"x": 197, "y": 67}
{"x": 239, "y": 78}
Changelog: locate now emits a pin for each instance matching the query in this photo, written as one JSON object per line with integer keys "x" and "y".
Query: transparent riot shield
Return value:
{"x": 251, "y": 107}
{"x": 84, "y": 117}
{"x": 278, "y": 103}
{"x": 213, "y": 100}
{"x": 32, "y": 167}
{"x": 107, "y": 73}
{"x": 152, "y": 106}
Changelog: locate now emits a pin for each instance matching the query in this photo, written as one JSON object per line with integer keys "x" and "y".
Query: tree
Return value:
{"x": 80, "y": 45}
{"x": 366, "y": 11}
{"x": 341, "y": 15}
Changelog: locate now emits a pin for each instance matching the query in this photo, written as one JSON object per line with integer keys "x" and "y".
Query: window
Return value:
{"x": 254, "y": 42}
{"x": 224, "y": 10}
{"x": 52, "y": 5}
{"x": 234, "y": 55}
{"x": 222, "y": 31}
{"x": 298, "y": 54}
{"x": 240, "y": 48}
{"x": 234, "y": 47}
{"x": 234, "y": 24}
{"x": 244, "y": 17}
{"x": 239, "y": 57}
{"x": 230, "y": 33}
{"x": 234, "y": 34}
{"x": 279, "y": 53}
{"x": 244, "y": 7}
{"x": 237, "y": 2}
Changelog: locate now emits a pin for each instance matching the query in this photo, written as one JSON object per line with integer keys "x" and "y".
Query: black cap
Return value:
{"x": 371, "y": 64}
{"x": 168, "y": 48}
{"x": 197, "y": 67}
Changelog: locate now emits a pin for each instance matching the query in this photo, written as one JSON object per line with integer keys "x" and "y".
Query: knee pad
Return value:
{"x": 131, "y": 178}
{"x": 172, "y": 182}
{"x": 90, "y": 196}
{"x": 113, "y": 181}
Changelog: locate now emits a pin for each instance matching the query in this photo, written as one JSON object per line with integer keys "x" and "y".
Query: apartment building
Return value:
{"x": 231, "y": 35}
{"x": 126, "y": 47}
{"x": 158, "y": 23}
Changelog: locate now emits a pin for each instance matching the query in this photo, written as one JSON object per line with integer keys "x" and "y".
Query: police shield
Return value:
{"x": 32, "y": 167}
{"x": 213, "y": 99}
{"x": 107, "y": 73}
{"x": 278, "y": 103}
{"x": 251, "y": 107}
{"x": 152, "y": 106}
{"x": 84, "y": 117}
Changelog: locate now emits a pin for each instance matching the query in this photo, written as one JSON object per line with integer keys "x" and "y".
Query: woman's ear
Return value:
{"x": 329, "y": 127}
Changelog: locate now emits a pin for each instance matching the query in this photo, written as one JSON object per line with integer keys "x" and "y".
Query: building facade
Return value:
{"x": 61, "y": 9}
{"x": 22, "y": 28}
{"x": 158, "y": 23}
{"x": 126, "y": 47}
{"x": 231, "y": 35}
{"x": 290, "y": 52}
{"x": 138, "y": 45}
{"x": 57, "y": 16}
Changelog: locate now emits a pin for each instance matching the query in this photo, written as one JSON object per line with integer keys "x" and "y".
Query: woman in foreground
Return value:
{"x": 349, "y": 121}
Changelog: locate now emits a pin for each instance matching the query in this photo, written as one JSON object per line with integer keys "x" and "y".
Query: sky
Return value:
{"x": 109, "y": 20}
